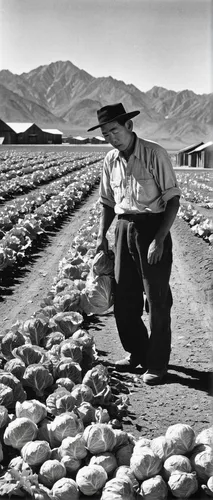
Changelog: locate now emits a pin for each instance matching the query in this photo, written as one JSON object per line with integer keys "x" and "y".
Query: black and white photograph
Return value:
{"x": 106, "y": 249}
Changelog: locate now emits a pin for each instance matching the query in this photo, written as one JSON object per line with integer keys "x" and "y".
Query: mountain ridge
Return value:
{"x": 62, "y": 95}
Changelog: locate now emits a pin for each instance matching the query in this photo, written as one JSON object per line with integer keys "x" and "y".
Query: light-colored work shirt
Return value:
{"x": 143, "y": 184}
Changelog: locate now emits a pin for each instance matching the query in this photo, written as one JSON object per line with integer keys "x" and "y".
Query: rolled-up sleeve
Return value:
{"x": 106, "y": 196}
{"x": 164, "y": 175}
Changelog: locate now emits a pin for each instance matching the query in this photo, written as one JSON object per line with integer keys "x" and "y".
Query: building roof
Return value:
{"x": 79, "y": 138}
{"x": 52, "y": 131}
{"x": 19, "y": 127}
{"x": 188, "y": 148}
{"x": 99, "y": 138}
{"x": 203, "y": 146}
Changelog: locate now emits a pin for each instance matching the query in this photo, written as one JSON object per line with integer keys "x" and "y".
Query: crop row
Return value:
{"x": 199, "y": 224}
{"x": 28, "y": 182}
{"x": 18, "y": 240}
{"x": 194, "y": 189}
{"x": 60, "y": 421}
{"x": 14, "y": 210}
{"x": 28, "y": 162}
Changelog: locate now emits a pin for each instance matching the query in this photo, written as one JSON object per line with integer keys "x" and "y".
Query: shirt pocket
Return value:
{"x": 146, "y": 190}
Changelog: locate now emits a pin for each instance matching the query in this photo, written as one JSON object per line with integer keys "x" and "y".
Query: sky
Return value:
{"x": 167, "y": 43}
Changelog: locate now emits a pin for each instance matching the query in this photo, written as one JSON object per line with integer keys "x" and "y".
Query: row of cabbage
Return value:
{"x": 25, "y": 183}
{"x": 194, "y": 189}
{"x": 59, "y": 437}
{"x": 197, "y": 188}
{"x": 199, "y": 224}
{"x": 61, "y": 198}
{"x": 14, "y": 167}
{"x": 18, "y": 207}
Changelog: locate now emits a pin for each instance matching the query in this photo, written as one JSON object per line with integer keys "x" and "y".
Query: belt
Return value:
{"x": 140, "y": 216}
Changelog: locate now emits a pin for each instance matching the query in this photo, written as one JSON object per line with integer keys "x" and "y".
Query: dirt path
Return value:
{"x": 185, "y": 395}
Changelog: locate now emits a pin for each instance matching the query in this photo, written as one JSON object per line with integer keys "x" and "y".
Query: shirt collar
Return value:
{"x": 135, "y": 152}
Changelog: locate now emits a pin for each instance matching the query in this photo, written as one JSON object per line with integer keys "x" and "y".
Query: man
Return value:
{"x": 138, "y": 185}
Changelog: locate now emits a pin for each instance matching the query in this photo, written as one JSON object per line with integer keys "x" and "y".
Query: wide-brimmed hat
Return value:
{"x": 112, "y": 113}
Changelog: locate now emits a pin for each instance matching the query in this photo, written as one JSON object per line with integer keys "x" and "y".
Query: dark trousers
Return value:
{"x": 133, "y": 276}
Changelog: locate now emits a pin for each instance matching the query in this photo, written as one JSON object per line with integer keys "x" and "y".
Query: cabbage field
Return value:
{"x": 71, "y": 426}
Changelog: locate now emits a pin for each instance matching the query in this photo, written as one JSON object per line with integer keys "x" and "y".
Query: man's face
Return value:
{"x": 117, "y": 135}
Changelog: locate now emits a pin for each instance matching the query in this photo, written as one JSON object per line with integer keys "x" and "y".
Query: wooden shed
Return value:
{"x": 202, "y": 156}
{"x": 182, "y": 155}
{"x": 7, "y": 134}
{"x": 52, "y": 136}
{"x": 26, "y": 133}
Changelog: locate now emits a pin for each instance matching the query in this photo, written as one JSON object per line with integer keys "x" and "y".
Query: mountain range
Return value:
{"x": 60, "y": 95}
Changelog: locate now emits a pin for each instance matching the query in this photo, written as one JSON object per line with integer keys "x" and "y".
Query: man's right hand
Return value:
{"x": 102, "y": 244}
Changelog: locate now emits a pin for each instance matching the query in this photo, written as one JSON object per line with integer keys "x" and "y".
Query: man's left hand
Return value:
{"x": 155, "y": 252}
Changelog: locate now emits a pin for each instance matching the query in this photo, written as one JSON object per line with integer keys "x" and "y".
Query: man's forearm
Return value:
{"x": 169, "y": 217}
{"x": 107, "y": 216}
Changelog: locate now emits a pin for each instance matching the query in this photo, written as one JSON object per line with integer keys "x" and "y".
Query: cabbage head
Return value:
{"x": 106, "y": 459}
{"x": 53, "y": 338}
{"x": 30, "y": 354}
{"x": 66, "y": 322}
{"x": 86, "y": 412}
{"x": 32, "y": 409}
{"x": 82, "y": 393}
{"x": 35, "y": 330}
{"x": 103, "y": 263}
{"x": 38, "y": 377}
{"x": 99, "y": 438}
{"x": 163, "y": 447}
{"x": 72, "y": 465}
{"x": 18, "y": 393}
{"x": 6, "y": 396}
{"x": 19, "y": 432}
{"x": 118, "y": 488}
{"x": 141, "y": 442}
{"x": 97, "y": 379}
{"x": 84, "y": 339}
{"x": 16, "y": 367}
{"x": 64, "y": 382}
{"x": 145, "y": 463}
{"x": 60, "y": 401}
{"x": 154, "y": 488}
{"x": 183, "y": 437}
{"x": 3, "y": 416}
{"x": 202, "y": 462}
{"x": 50, "y": 472}
{"x": 73, "y": 447}
{"x": 66, "y": 425}
{"x": 10, "y": 341}
{"x": 174, "y": 463}
{"x": 210, "y": 484}
{"x": 183, "y": 484}
{"x": 97, "y": 296}
{"x": 65, "y": 489}
{"x": 71, "y": 349}
{"x": 35, "y": 452}
{"x": 90, "y": 479}
{"x": 125, "y": 471}
{"x": 68, "y": 368}
{"x": 205, "y": 437}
